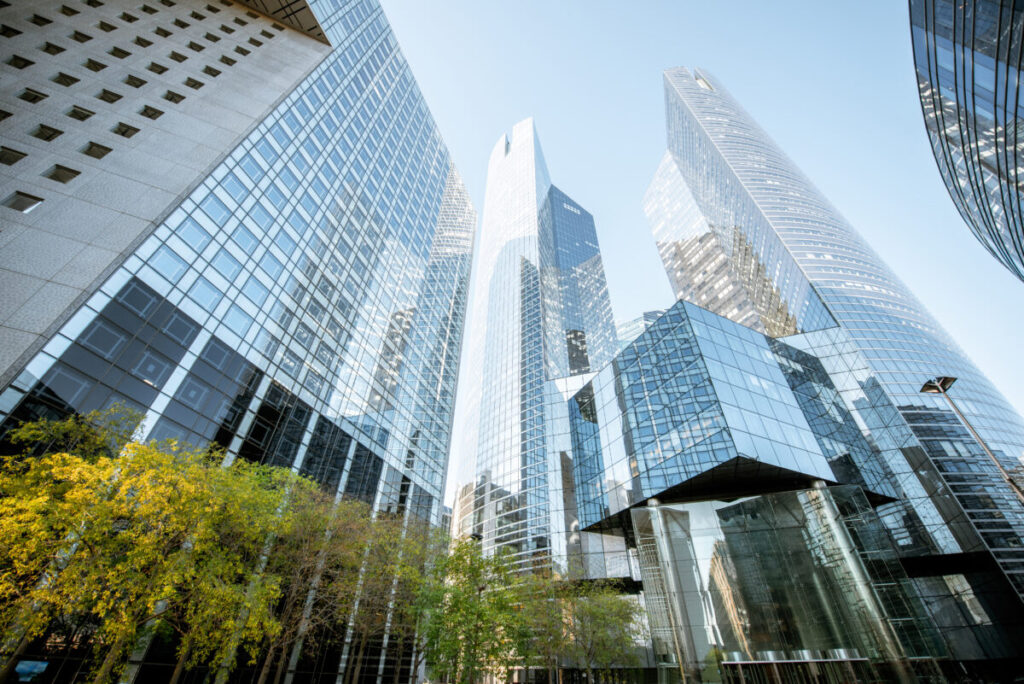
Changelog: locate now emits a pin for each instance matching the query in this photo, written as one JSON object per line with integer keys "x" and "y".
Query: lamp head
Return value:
{"x": 939, "y": 385}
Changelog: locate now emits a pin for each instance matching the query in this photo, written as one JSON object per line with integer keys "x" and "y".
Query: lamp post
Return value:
{"x": 941, "y": 385}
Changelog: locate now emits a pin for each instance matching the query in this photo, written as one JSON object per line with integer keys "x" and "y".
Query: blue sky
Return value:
{"x": 832, "y": 83}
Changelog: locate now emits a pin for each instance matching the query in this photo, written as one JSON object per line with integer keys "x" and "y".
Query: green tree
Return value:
{"x": 473, "y": 626}
{"x": 602, "y": 626}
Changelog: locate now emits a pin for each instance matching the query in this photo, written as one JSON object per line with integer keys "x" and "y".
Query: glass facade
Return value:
{"x": 303, "y": 306}
{"x": 968, "y": 57}
{"x": 543, "y": 321}
{"x": 792, "y": 267}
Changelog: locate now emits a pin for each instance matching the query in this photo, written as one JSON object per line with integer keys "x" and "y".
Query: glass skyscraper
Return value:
{"x": 239, "y": 218}
{"x": 726, "y": 200}
{"x": 542, "y": 324}
{"x": 968, "y": 56}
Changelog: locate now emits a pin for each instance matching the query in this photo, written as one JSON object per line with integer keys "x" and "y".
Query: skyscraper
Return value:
{"x": 239, "y": 218}
{"x": 787, "y": 264}
{"x": 542, "y": 323}
{"x": 969, "y": 59}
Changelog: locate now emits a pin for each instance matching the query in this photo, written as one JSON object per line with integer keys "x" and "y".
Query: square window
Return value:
{"x": 151, "y": 112}
{"x": 177, "y": 57}
{"x": 193, "y": 83}
{"x": 226, "y": 29}
{"x": 80, "y": 113}
{"x": 104, "y": 26}
{"x": 93, "y": 65}
{"x": 9, "y": 156}
{"x": 197, "y": 16}
{"x": 124, "y": 130}
{"x": 108, "y": 96}
{"x": 40, "y": 21}
{"x": 128, "y": 17}
{"x": 193, "y": 45}
{"x": 205, "y": 294}
{"x": 52, "y": 49}
{"x": 66, "y": 80}
{"x": 96, "y": 150}
{"x": 227, "y": 60}
{"x": 134, "y": 81}
{"x": 62, "y": 174}
{"x": 47, "y": 133}
{"x": 174, "y": 97}
{"x": 156, "y": 68}
{"x": 19, "y": 62}
{"x": 162, "y": 32}
{"x": 33, "y": 96}
{"x": 147, "y": 9}
{"x": 23, "y": 202}
{"x": 142, "y": 42}
{"x": 68, "y": 11}
{"x": 81, "y": 37}
{"x": 241, "y": 50}
{"x": 9, "y": 31}
{"x": 210, "y": 71}
{"x": 118, "y": 52}
{"x": 181, "y": 24}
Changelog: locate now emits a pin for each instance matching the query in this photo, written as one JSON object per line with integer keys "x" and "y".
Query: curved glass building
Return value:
{"x": 968, "y": 58}
{"x": 742, "y": 232}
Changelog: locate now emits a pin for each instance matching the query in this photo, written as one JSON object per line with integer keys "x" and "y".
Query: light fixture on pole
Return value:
{"x": 941, "y": 385}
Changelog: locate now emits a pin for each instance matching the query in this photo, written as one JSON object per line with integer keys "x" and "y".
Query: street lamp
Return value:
{"x": 941, "y": 385}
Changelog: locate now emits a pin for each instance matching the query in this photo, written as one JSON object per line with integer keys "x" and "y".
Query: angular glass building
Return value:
{"x": 726, "y": 200}
{"x": 542, "y": 323}
{"x": 968, "y": 57}
{"x": 239, "y": 218}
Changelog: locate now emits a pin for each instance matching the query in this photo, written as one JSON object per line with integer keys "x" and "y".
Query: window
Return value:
{"x": 80, "y": 113}
{"x": 254, "y": 42}
{"x": 9, "y": 157}
{"x": 226, "y": 29}
{"x": 52, "y": 49}
{"x": 177, "y": 57}
{"x": 23, "y": 202}
{"x": 93, "y": 65}
{"x": 156, "y": 68}
{"x": 193, "y": 45}
{"x": 266, "y": 34}
{"x": 162, "y": 32}
{"x": 134, "y": 81}
{"x": 147, "y": 9}
{"x": 205, "y": 294}
{"x": 128, "y": 17}
{"x": 167, "y": 3}
{"x": 168, "y": 264}
{"x": 241, "y": 50}
{"x": 181, "y": 24}
{"x": 252, "y": 15}
{"x": 277, "y": 27}
{"x": 226, "y": 264}
{"x": 61, "y": 174}
{"x": 241, "y": 22}
{"x": 94, "y": 3}
{"x": 211, "y": 37}
{"x": 124, "y": 130}
{"x": 108, "y": 96}
{"x": 197, "y": 16}
{"x": 9, "y": 31}
{"x": 174, "y": 97}
{"x": 19, "y": 62}
{"x": 66, "y": 80}
{"x": 4, "y": 115}
{"x": 40, "y": 21}
{"x": 33, "y": 96}
{"x": 96, "y": 150}
{"x": 151, "y": 112}
{"x": 212, "y": 10}
{"x": 210, "y": 71}
{"x": 68, "y": 11}
{"x": 193, "y": 83}
{"x": 47, "y": 133}
{"x": 142, "y": 42}
{"x": 81, "y": 37}
{"x": 118, "y": 52}
{"x": 227, "y": 60}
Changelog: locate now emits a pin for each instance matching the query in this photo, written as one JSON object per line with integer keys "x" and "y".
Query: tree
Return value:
{"x": 473, "y": 626}
{"x": 602, "y": 626}
{"x": 133, "y": 535}
{"x": 543, "y": 637}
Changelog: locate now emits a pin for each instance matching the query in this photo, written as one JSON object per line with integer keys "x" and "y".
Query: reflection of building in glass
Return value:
{"x": 968, "y": 59}
{"x": 630, "y": 330}
{"x": 802, "y": 271}
{"x": 542, "y": 321}
{"x": 748, "y": 493}
{"x": 276, "y": 262}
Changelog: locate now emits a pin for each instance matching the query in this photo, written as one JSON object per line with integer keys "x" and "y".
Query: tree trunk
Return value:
{"x": 590, "y": 675}
{"x": 398, "y": 662}
{"x": 179, "y": 667}
{"x": 282, "y": 664}
{"x": 8, "y": 669}
{"x": 268, "y": 662}
{"x": 359, "y": 659}
{"x": 111, "y": 659}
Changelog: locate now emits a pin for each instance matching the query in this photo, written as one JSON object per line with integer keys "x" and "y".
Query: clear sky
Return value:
{"x": 832, "y": 82}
